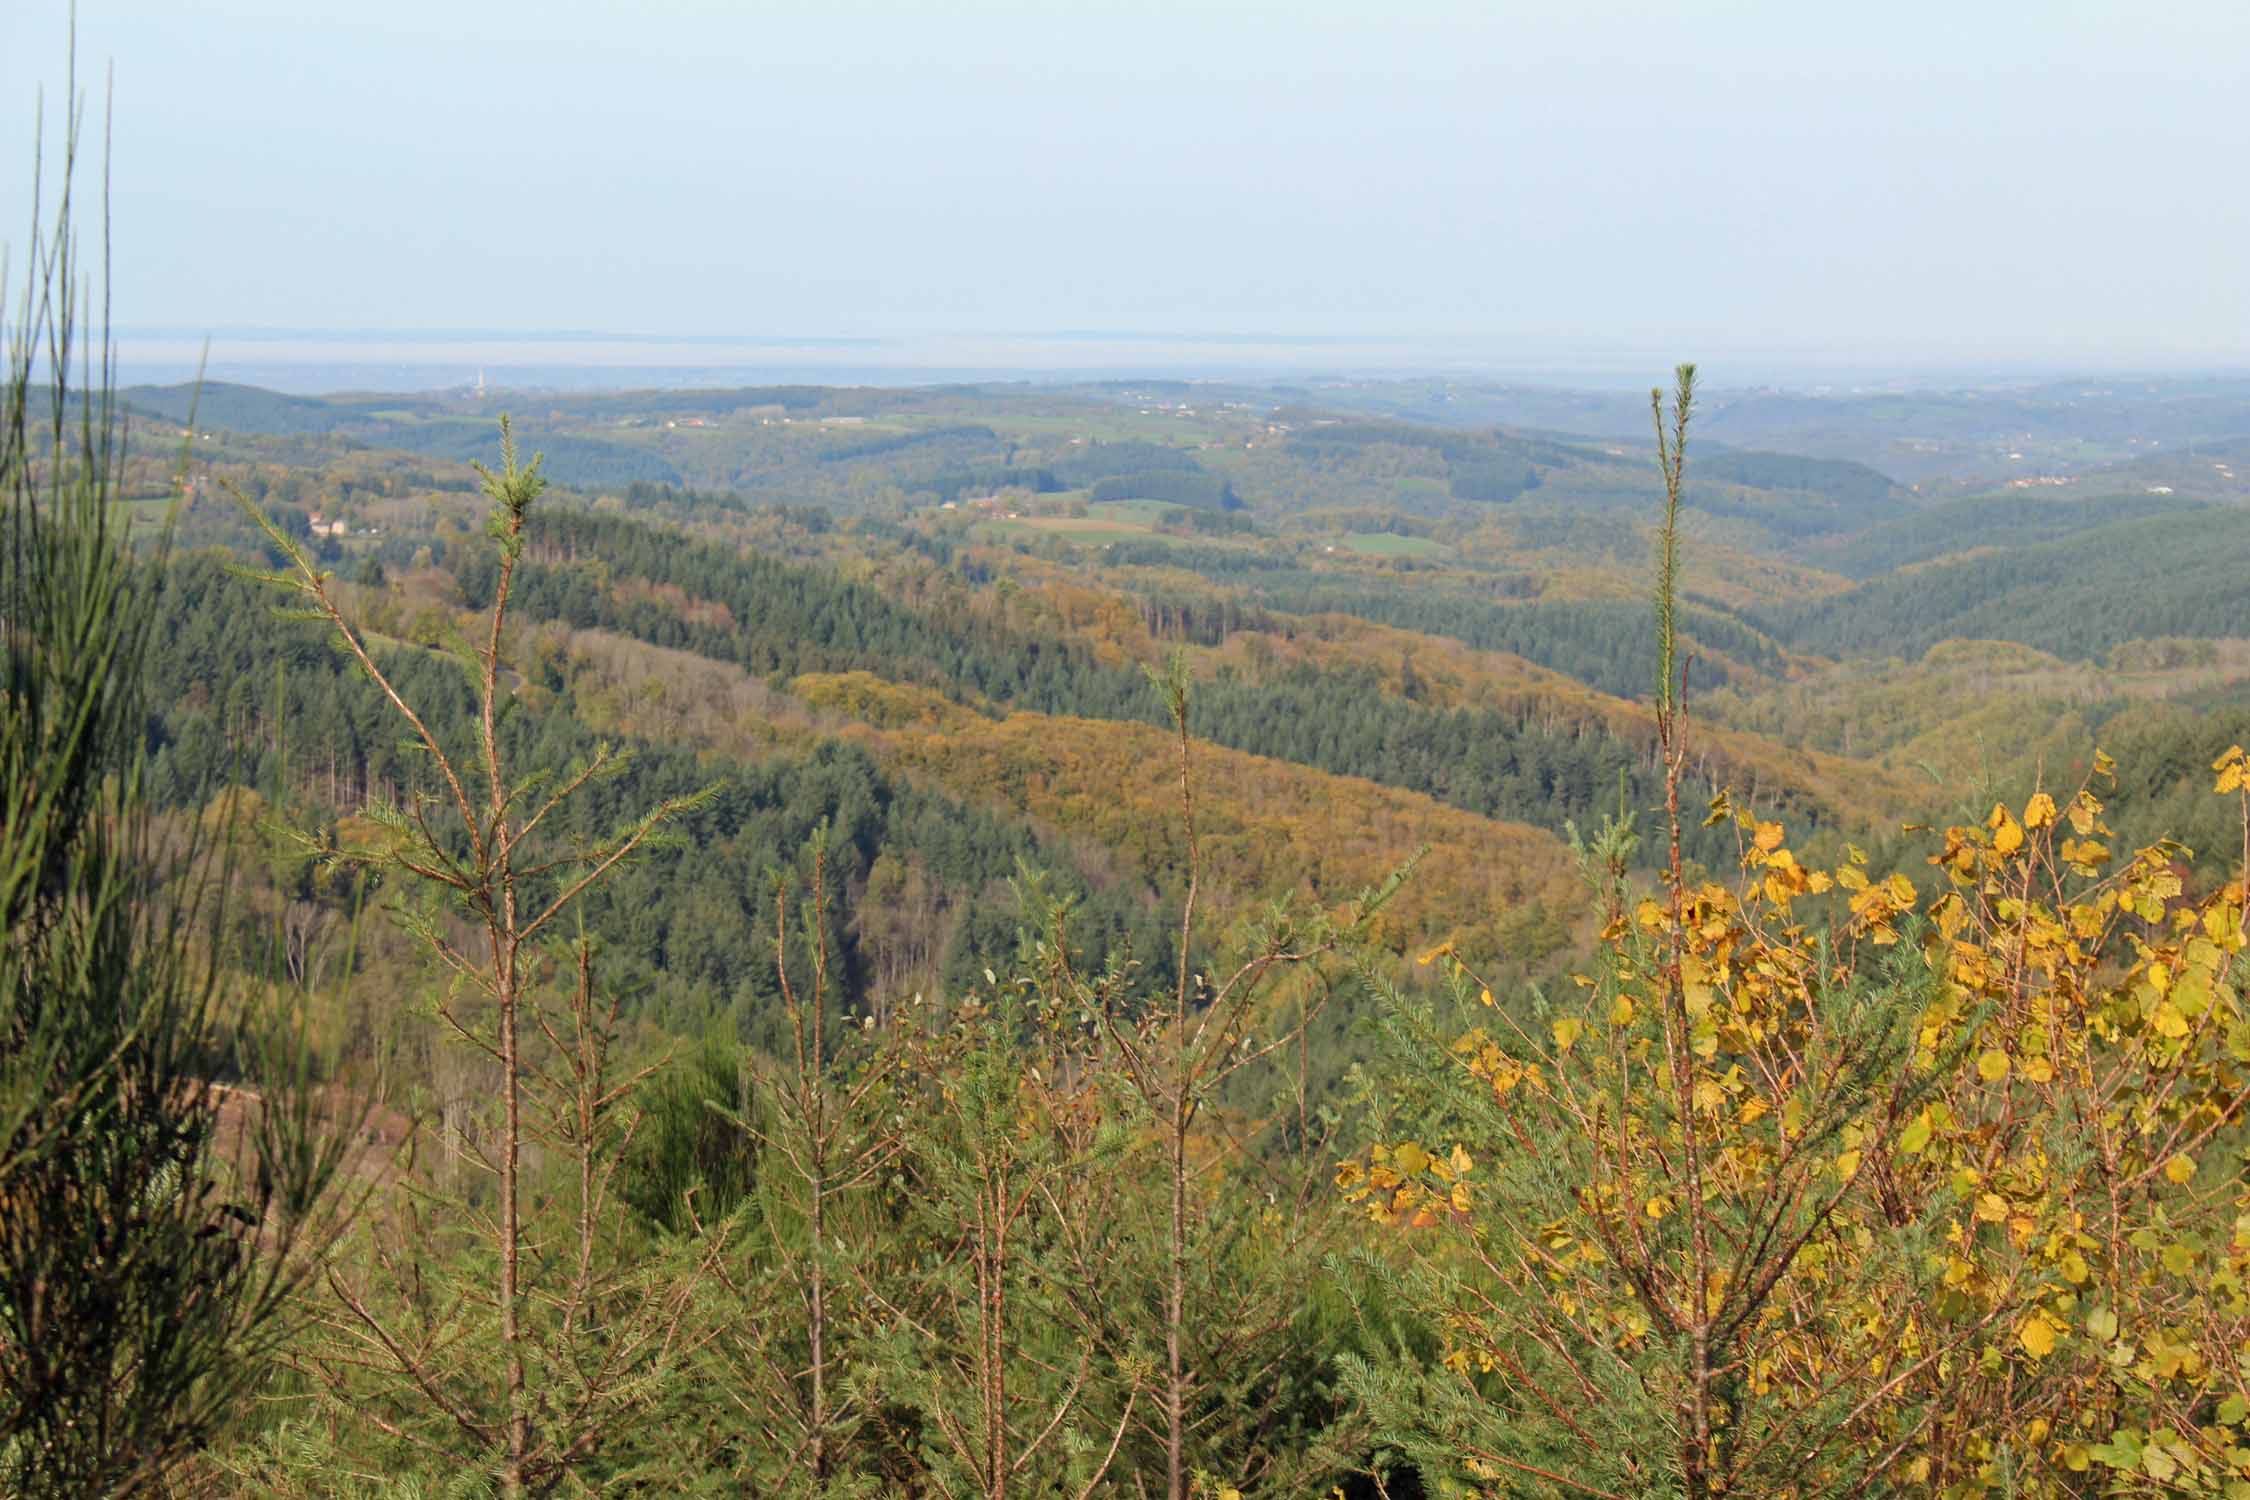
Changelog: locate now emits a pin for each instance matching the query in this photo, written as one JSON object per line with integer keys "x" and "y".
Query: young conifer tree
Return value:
{"x": 795, "y": 1326}
{"x": 1223, "y": 1281}
{"x": 149, "y": 1243}
{"x": 578, "y": 1334}
{"x": 993, "y": 1377}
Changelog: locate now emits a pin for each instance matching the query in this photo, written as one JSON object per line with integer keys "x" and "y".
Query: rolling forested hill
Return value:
{"x": 2083, "y": 591}
{"x": 1022, "y": 550}
{"x": 923, "y": 616}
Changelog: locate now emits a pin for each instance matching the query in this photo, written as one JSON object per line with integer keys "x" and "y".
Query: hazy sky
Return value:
{"x": 1960, "y": 181}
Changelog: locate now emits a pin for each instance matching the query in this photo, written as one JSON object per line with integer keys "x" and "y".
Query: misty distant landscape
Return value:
{"x": 949, "y": 752}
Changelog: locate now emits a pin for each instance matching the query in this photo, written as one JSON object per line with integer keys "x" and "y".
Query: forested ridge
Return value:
{"x": 774, "y": 618}
{"x": 2079, "y": 594}
{"x": 297, "y": 717}
{"x": 1989, "y": 521}
{"x": 1596, "y": 641}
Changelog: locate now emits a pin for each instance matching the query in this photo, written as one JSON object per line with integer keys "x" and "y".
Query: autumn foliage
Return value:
{"x": 1830, "y": 1182}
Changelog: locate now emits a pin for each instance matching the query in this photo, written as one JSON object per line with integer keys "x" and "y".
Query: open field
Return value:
{"x": 1142, "y": 513}
{"x": 1389, "y": 544}
{"x": 1087, "y": 530}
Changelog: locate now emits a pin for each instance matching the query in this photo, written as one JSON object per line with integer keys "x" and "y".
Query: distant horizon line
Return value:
{"x": 1495, "y": 349}
{"x": 339, "y": 361}
{"x": 440, "y": 334}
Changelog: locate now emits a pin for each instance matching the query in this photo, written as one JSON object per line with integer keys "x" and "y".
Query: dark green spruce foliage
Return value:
{"x": 149, "y": 1216}
{"x": 691, "y": 935}
{"x": 2076, "y": 595}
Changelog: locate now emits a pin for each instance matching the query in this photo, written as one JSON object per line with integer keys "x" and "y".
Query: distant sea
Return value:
{"x": 317, "y": 361}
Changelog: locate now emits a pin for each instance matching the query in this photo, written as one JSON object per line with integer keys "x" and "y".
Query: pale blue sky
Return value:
{"x": 1931, "y": 183}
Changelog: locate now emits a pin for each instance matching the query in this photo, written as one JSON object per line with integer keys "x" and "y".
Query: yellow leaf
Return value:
{"x": 1768, "y": 836}
{"x": 2192, "y": 994}
{"x": 2169, "y": 1021}
{"x": 2038, "y": 1069}
{"x": 2007, "y": 833}
{"x": 1917, "y": 1135}
{"x": 1657, "y": 1207}
{"x": 2180, "y": 1170}
{"x": 2039, "y": 812}
{"x": 1621, "y": 1010}
{"x": 2037, "y": 1336}
{"x": 1993, "y": 1066}
{"x": 2083, "y": 810}
{"x": 1409, "y": 1157}
{"x": 1459, "y": 1197}
{"x": 1567, "y": 1032}
{"x": 1952, "y": 915}
{"x": 1485, "y": 996}
{"x": 1463, "y": 1162}
{"x": 1847, "y": 1165}
{"x": 2073, "y": 1267}
{"x": 2232, "y": 768}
